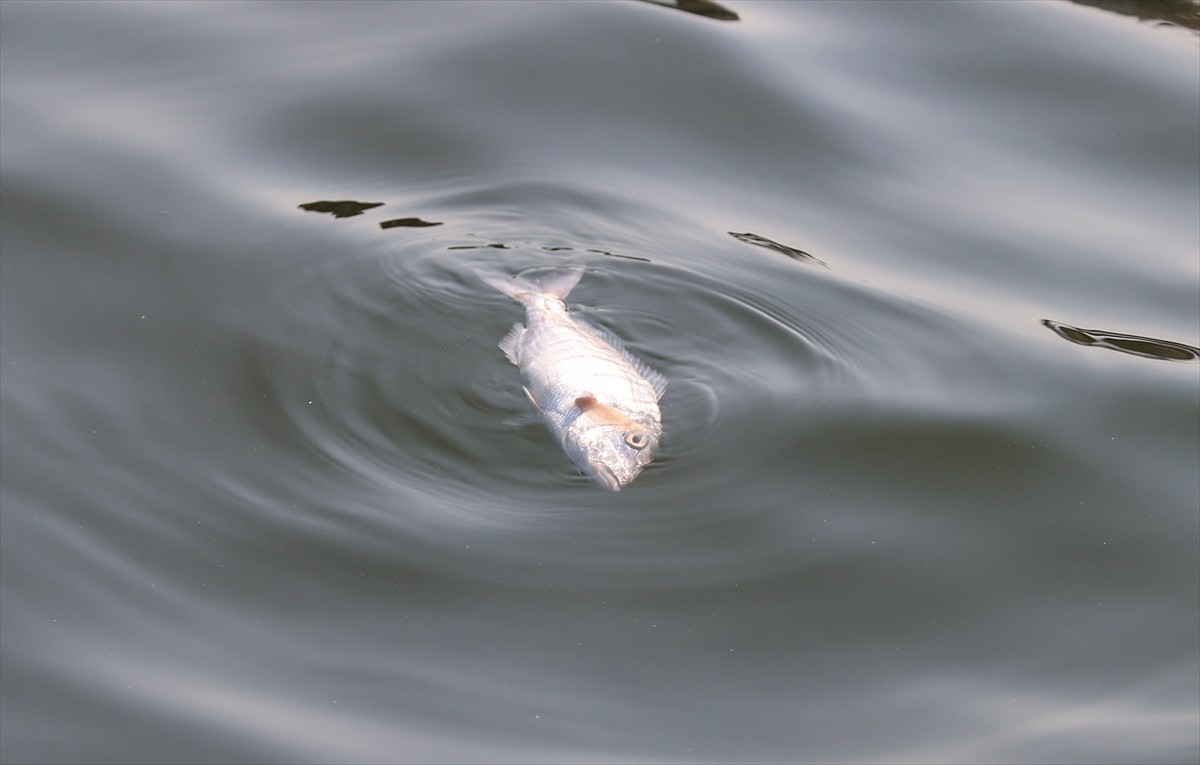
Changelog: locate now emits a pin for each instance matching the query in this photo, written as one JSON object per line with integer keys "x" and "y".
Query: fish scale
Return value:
{"x": 598, "y": 399}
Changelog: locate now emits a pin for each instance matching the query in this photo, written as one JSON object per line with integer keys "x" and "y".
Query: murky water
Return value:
{"x": 924, "y": 279}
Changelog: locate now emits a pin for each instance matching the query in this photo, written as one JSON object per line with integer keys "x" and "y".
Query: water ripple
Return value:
{"x": 388, "y": 373}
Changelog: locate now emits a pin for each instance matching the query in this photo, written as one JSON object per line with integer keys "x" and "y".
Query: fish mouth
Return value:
{"x": 602, "y": 475}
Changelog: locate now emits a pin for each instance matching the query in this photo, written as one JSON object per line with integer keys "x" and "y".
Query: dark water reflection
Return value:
{"x": 263, "y": 495}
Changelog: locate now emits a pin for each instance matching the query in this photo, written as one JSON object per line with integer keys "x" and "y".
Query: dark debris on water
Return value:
{"x": 341, "y": 209}
{"x": 771, "y": 244}
{"x": 1135, "y": 345}
{"x": 408, "y": 223}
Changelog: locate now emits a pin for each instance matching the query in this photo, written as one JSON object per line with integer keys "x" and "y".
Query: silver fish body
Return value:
{"x": 598, "y": 400}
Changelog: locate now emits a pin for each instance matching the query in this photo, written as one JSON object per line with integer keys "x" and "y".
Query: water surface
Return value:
{"x": 923, "y": 278}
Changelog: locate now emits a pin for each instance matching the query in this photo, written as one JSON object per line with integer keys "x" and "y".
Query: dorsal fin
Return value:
{"x": 652, "y": 376}
{"x": 603, "y": 413}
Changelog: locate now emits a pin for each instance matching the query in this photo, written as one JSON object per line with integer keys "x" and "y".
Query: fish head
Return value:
{"x": 610, "y": 449}
{"x": 612, "y": 456}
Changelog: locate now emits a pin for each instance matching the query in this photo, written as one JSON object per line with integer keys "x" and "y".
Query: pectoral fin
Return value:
{"x": 603, "y": 413}
{"x": 532, "y": 400}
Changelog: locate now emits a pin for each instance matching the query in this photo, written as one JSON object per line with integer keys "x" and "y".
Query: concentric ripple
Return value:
{"x": 387, "y": 378}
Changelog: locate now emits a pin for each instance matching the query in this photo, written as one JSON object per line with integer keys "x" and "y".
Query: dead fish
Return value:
{"x": 598, "y": 399}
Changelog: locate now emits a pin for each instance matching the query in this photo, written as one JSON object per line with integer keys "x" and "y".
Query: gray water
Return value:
{"x": 924, "y": 279}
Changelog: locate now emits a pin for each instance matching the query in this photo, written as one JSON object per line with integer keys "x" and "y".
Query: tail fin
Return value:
{"x": 557, "y": 282}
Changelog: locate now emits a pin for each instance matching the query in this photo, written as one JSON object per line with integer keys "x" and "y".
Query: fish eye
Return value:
{"x": 637, "y": 440}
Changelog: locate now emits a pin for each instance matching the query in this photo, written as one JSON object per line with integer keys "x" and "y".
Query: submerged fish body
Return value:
{"x": 598, "y": 400}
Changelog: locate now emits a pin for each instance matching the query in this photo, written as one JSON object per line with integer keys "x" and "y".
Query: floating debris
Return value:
{"x": 1135, "y": 345}
{"x": 409, "y": 223}
{"x": 771, "y": 244}
{"x": 548, "y": 248}
{"x": 342, "y": 209}
{"x": 1183, "y": 13}
{"x": 706, "y": 8}
{"x": 616, "y": 255}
